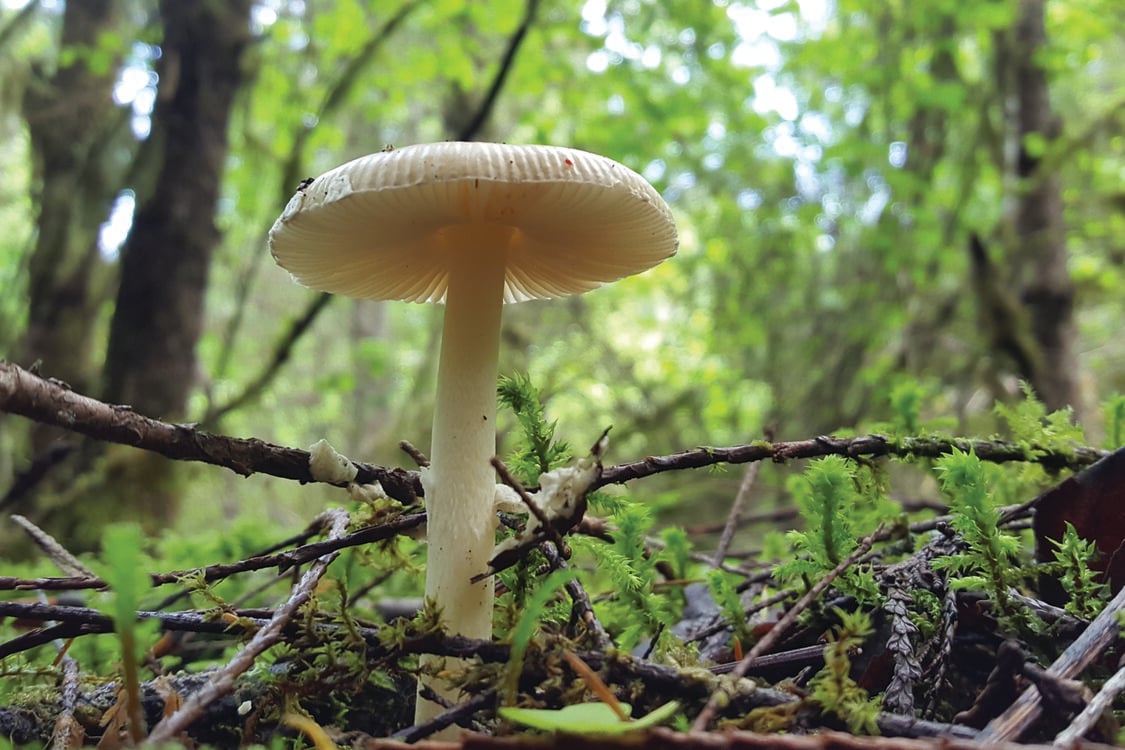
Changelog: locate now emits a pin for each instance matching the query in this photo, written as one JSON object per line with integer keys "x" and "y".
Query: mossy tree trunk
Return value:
{"x": 1047, "y": 291}
{"x": 77, "y": 138}
{"x": 151, "y": 359}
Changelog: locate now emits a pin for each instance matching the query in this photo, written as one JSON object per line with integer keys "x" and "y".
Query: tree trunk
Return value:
{"x": 150, "y": 364}
{"x": 75, "y": 128}
{"x": 1047, "y": 293}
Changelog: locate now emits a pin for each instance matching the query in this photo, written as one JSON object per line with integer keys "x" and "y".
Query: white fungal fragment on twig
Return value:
{"x": 326, "y": 465}
{"x": 561, "y": 497}
{"x": 368, "y": 494}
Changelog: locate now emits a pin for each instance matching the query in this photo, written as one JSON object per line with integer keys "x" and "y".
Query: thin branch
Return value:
{"x": 458, "y": 714}
{"x": 56, "y": 553}
{"x": 281, "y": 352}
{"x": 470, "y": 131}
{"x": 224, "y": 682}
{"x": 740, "y": 498}
{"x": 1092, "y": 714}
{"x": 995, "y": 451}
{"x": 769, "y": 639}
{"x": 1078, "y": 655}
{"x": 281, "y": 560}
{"x": 51, "y": 402}
{"x": 39, "y": 469}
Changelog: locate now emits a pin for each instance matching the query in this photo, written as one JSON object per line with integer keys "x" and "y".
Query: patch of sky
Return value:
{"x": 136, "y": 87}
{"x": 897, "y": 154}
{"x": 115, "y": 230}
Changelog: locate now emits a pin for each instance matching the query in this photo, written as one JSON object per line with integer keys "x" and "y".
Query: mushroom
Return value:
{"x": 473, "y": 225}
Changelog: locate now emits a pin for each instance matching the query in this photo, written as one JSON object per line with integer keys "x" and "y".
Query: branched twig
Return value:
{"x": 51, "y": 402}
{"x": 281, "y": 352}
{"x": 223, "y": 683}
{"x": 281, "y": 560}
{"x": 1078, "y": 655}
{"x": 68, "y": 732}
{"x": 56, "y": 553}
{"x": 554, "y": 549}
{"x": 470, "y": 131}
{"x": 735, "y": 513}
{"x": 769, "y": 639}
{"x": 995, "y": 451}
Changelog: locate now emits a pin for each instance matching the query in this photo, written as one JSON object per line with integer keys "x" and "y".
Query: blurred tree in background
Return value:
{"x": 874, "y": 198}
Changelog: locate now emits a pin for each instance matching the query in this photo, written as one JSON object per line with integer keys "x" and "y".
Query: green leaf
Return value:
{"x": 524, "y": 630}
{"x": 587, "y": 718}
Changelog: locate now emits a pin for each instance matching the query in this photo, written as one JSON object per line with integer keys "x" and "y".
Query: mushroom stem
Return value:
{"x": 460, "y": 484}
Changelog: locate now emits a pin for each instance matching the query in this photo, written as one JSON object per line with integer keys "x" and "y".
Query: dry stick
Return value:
{"x": 58, "y": 554}
{"x": 224, "y": 681}
{"x": 68, "y": 732}
{"x": 449, "y": 717}
{"x": 553, "y": 551}
{"x": 282, "y": 560}
{"x": 420, "y": 459}
{"x": 1090, "y": 715}
{"x": 1078, "y": 655}
{"x": 769, "y": 639}
{"x": 994, "y": 451}
{"x": 52, "y": 402}
{"x": 740, "y": 498}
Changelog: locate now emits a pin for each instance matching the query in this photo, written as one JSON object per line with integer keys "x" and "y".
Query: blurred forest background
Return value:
{"x": 878, "y": 201}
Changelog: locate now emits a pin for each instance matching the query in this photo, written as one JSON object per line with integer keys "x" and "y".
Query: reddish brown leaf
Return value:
{"x": 1094, "y": 502}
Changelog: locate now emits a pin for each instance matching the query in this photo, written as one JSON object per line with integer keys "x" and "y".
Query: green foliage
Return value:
{"x": 529, "y": 620}
{"x": 124, "y": 570}
{"x": 987, "y": 563}
{"x": 724, "y": 593}
{"x": 834, "y": 513}
{"x": 1031, "y": 425}
{"x": 677, "y": 551}
{"x": 925, "y": 612}
{"x": 538, "y": 452}
{"x": 1114, "y": 410}
{"x": 1073, "y": 559}
{"x": 832, "y": 689}
{"x": 588, "y": 718}
{"x": 636, "y": 609}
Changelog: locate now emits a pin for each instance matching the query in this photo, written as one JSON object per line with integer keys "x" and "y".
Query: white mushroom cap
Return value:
{"x": 383, "y": 226}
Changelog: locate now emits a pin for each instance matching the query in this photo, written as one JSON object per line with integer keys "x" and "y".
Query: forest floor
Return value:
{"x": 943, "y": 631}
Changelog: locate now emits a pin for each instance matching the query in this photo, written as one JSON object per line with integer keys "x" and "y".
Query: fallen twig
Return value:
{"x": 769, "y": 639}
{"x": 1079, "y": 655}
{"x": 170, "y": 727}
{"x": 51, "y": 402}
{"x": 280, "y": 560}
